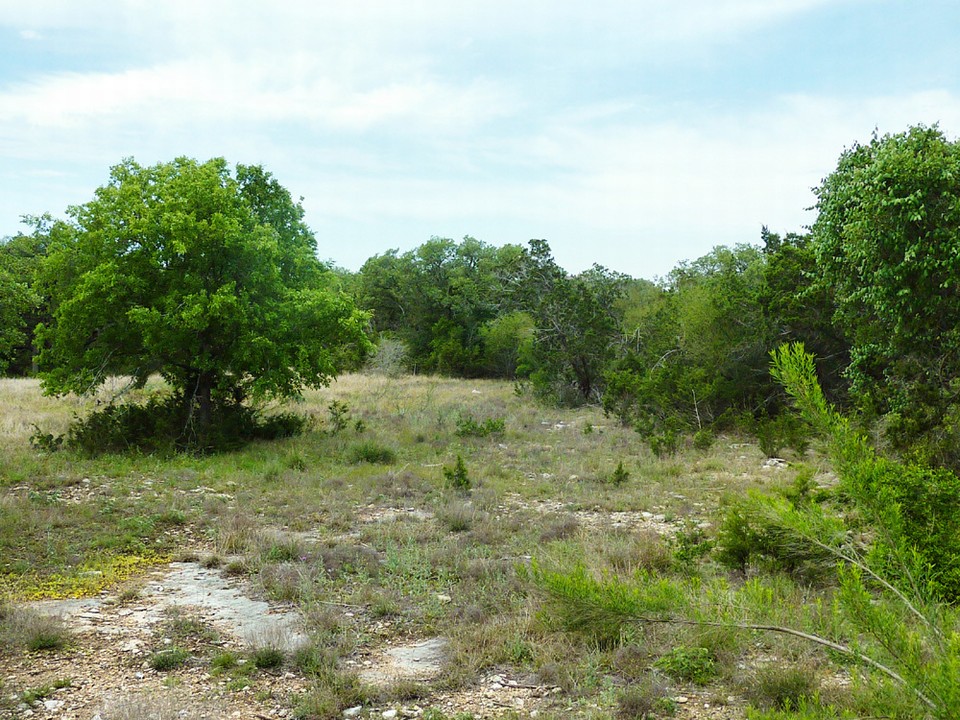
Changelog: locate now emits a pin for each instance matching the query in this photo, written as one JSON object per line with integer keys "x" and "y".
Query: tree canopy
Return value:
{"x": 205, "y": 277}
{"x": 887, "y": 238}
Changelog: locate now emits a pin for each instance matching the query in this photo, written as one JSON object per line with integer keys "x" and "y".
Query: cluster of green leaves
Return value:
{"x": 886, "y": 238}
{"x": 443, "y": 301}
{"x": 206, "y": 277}
{"x": 474, "y": 310}
{"x": 697, "y": 358}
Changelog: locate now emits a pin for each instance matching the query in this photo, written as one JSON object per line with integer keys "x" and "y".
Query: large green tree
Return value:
{"x": 206, "y": 277}
{"x": 576, "y": 323}
{"x": 440, "y": 301}
{"x": 887, "y": 239}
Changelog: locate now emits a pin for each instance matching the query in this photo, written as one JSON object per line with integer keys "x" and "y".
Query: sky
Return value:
{"x": 631, "y": 133}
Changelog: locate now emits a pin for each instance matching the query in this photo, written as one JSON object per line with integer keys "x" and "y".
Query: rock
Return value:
{"x": 388, "y": 714}
{"x": 681, "y": 699}
{"x": 52, "y": 705}
{"x": 353, "y": 711}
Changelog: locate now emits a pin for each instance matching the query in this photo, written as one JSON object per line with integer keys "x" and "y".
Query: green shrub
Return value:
{"x": 373, "y": 453}
{"x": 467, "y": 426}
{"x": 226, "y": 660}
{"x": 784, "y": 430}
{"x": 664, "y": 444}
{"x": 753, "y": 528}
{"x": 267, "y": 657}
{"x": 703, "y": 439}
{"x": 169, "y": 659}
{"x": 782, "y": 687}
{"x": 620, "y": 475}
{"x": 166, "y": 424}
{"x": 457, "y": 476}
{"x": 694, "y": 665}
{"x": 339, "y": 417}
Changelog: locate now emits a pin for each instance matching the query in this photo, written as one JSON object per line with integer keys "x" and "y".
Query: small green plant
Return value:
{"x": 457, "y": 476}
{"x": 783, "y": 687}
{"x": 703, "y": 439}
{"x": 339, "y": 417}
{"x": 168, "y": 659}
{"x": 23, "y": 627}
{"x": 267, "y": 657}
{"x": 467, "y": 426}
{"x": 373, "y": 453}
{"x": 620, "y": 475}
{"x": 664, "y": 444}
{"x": 692, "y": 544}
{"x": 644, "y": 700}
{"x": 694, "y": 665}
{"x": 226, "y": 660}
{"x": 33, "y": 695}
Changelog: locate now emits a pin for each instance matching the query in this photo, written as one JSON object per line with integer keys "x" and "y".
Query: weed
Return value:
{"x": 457, "y": 516}
{"x": 457, "y": 476}
{"x": 373, "y": 453}
{"x": 267, "y": 658}
{"x": 268, "y": 649}
{"x": 168, "y": 659}
{"x": 33, "y": 695}
{"x": 620, "y": 475}
{"x": 22, "y": 627}
{"x": 467, "y": 426}
{"x": 703, "y": 439}
{"x": 694, "y": 665}
{"x": 644, "y": 700}
{"x": 226, "y": 660}
{"x": 782, "y": 687}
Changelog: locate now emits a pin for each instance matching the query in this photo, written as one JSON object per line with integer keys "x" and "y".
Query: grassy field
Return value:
{"x": 369, "y": 510}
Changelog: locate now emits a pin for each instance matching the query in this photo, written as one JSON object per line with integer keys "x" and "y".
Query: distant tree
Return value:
{"x": 886, "y": 239}
{"x": 16, "y": 300}
{"x": 438, "y": 300}
{"x": 209, "y": 279}
{"x": 577, "y": 323}
{"x": 21, "y": 307}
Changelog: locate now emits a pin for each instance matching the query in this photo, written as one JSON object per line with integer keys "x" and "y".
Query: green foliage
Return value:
{"x": 577, "y": 322}
{"x": 620, "y": 475}
{"x": 784, "y": 430}
{"x": 885, "y": 239}
{"x": 209, "y": 279}
{"x": 688, "y": 664}
{"x": 373, "y": 453}
{"x": 756, "y": 528}
{"x": 339, "y": 417}
{"x": 21, "y": 304}
{"x": 442, "y": 302}
{"x": 893, "y": 595}
{"x": 168, "y": 659}
{"x": 916, "y": 507}
{"x": 704, "y": 438}
{"x": 267, "y": 657}
{"x": 166, "y": 423}
{"x": 468, "y": 426}
{"x": 603, "y": 609}
{"x": 783, "y": 687}
{"x": 457, "y": 477}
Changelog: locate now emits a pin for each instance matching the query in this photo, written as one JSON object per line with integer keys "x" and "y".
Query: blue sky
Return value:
{"x": 633, "y": 134}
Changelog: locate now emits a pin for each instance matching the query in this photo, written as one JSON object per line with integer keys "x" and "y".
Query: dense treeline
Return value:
{"x": 871, "y": 290}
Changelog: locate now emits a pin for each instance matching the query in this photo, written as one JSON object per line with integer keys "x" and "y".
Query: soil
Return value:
{"x": 114, "y": 636}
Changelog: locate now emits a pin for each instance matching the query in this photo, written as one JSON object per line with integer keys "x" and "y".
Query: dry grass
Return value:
{"x": 402, "y": 551}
